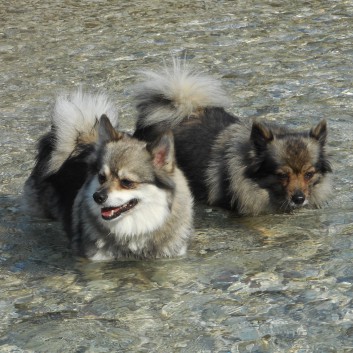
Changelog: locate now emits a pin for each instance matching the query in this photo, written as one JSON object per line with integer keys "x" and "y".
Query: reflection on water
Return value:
{"x": 277, "y": 283}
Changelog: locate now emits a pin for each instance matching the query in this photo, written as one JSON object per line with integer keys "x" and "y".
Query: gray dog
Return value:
{"x": 115, "y": 195}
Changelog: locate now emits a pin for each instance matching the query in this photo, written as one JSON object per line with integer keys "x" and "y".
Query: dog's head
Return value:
{"x": 292, "y": 166}
{"x": 132, "y": 187}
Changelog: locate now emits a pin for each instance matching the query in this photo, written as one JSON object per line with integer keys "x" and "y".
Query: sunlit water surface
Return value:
{"x": 275, "y": 283}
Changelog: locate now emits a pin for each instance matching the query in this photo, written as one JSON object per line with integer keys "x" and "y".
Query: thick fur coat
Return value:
{"x": 251, "y": 168}
{"x": 116, "y": 196}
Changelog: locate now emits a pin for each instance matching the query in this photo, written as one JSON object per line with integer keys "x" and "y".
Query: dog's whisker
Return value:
{"x": 284, "y": 205}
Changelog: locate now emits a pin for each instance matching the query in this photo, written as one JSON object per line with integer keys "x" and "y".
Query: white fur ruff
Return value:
{"x": 132, "y": 226}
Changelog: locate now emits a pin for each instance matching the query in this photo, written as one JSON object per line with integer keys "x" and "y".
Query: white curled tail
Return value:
{"x": 74, "y": 120}
{"x": 174, "y": 93}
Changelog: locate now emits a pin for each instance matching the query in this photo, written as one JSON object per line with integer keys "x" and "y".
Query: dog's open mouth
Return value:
{"x": 109, "y": 213}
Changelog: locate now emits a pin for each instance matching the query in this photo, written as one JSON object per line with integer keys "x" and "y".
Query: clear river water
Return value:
{"x": 273, "y": 283}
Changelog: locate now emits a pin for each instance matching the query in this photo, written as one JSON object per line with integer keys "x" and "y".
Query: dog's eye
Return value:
{"x": 282, "y": 176}
{"x": 102, "y": 178}
{"x": 127, "y": 184}
{"x": 308, "y": 175}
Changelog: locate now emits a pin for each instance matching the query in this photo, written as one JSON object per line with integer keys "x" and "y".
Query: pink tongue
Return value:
{"x": 109, "y": 212}
{"x": 113, "y": 212}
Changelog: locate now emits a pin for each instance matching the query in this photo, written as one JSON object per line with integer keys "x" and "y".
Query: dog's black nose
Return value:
{"x": 100, "y": 197}
{"x": 298, "y": 198}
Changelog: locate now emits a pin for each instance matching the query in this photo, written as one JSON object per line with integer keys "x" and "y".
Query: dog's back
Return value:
{"x": 190, "y": 104}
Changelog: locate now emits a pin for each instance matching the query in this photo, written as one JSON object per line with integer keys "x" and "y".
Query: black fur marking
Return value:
{"x": 68, "y": 180}
{"x": 45, "y": 194}
{"x": 323, "y": 165}
{"x": 45, "y": 148}
{"x": 150, "y": 134}
{"x": 261, "y": 135}
{"x": 261, "y": 168}
{"x": 78, "y": 243}
{"x": 193, "y": 145}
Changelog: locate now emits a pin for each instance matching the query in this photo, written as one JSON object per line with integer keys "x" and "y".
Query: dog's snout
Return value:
{"x": 298, "y": 198}
{"x": 100, "y": 197}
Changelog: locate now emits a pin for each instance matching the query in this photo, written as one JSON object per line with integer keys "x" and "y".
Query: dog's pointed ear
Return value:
{"x": 162, "y": 152}
{"x": 261, "y": 134}
{"x": 106, "y": 131}
{"x": 319, "y": 132}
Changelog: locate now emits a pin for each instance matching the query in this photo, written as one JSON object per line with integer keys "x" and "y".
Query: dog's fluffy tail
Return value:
{"x": 74, "y": 122}
{"x": 168, "y": 96}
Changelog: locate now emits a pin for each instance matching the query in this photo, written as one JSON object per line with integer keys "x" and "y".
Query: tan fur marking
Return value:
{"x": 297, "y": 181}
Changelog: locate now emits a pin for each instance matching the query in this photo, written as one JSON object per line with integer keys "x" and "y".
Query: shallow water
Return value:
{"x": 275, "y": 283}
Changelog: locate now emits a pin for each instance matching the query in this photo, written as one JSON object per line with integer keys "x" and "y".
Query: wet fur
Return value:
{"x": 64, "y": 185}
{"x": 250, "y": 168}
